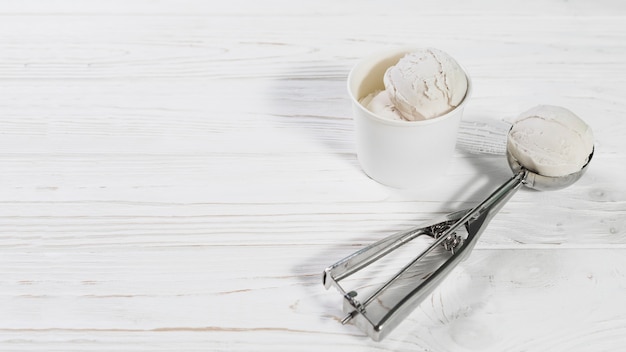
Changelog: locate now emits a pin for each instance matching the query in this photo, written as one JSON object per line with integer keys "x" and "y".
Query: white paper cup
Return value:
{"x": 401, "y": 154}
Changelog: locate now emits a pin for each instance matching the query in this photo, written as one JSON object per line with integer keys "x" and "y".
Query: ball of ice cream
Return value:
{"x": 378, "y": 102}
{"x": 551, "y": 141}
{"x": 425, "y": 84}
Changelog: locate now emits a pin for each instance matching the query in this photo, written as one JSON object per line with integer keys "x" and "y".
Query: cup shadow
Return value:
{"x": 316, "y": 106}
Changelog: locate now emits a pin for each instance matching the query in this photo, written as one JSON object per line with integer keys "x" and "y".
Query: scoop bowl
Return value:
{"x": 545, "y": 183}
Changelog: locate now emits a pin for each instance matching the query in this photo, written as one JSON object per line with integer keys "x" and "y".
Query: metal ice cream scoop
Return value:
{"x": 456, "y": 234}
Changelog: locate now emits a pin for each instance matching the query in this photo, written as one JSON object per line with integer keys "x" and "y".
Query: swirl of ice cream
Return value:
{"x": 422, "y": 85}
{"x": 551, "y": 141}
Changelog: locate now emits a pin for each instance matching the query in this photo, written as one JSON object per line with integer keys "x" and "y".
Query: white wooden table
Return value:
{"x": 175, "y": 175}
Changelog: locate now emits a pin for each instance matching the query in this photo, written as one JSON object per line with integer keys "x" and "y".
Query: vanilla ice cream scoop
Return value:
{"x": 550, "y": 141}
{"x": 425, "y": 84}
{"x": 378, "y": 102}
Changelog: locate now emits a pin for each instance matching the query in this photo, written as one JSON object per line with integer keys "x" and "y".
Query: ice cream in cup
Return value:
{"x": 407, "y": 107}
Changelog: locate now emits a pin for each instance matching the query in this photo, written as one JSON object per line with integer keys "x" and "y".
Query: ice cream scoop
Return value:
{"x": 423, "y": 84}
{"x": 379, "y": 103}
{"x": 381, "y": 311}
{"x": 550, "y": 140}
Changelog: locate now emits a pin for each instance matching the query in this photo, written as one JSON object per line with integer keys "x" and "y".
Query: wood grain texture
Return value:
{"x": 175, "y": 175}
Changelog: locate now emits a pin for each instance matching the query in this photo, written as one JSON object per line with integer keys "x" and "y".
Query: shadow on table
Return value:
{"x": 314, "y": 104}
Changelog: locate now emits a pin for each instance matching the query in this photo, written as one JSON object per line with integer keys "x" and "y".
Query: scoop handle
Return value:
{"x": 488, "y": 207}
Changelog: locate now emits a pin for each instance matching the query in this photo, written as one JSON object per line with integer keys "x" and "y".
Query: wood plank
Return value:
{"x": 175, "y": 175}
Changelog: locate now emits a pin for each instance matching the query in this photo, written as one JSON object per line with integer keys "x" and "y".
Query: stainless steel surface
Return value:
{"x": 546, "y": 183}
{"x": 455, "y": 235}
